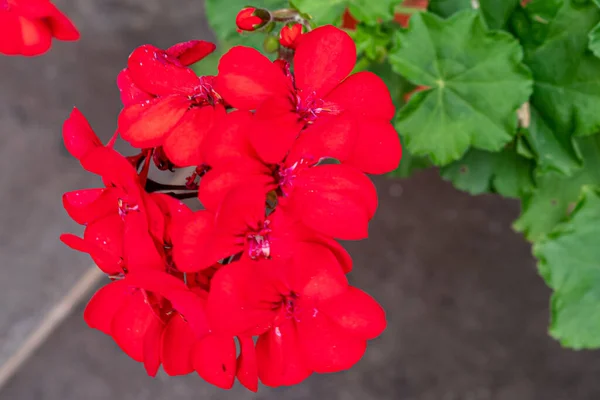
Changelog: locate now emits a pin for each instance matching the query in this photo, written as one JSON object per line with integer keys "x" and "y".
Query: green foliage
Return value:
{"x": 569, "y": 262}
{"x": 330, "y": 12}
{"x": 509, "y": 103}
{"x": 476, "y": 83}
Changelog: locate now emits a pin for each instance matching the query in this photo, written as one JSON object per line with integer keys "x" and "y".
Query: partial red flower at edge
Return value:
{"x": 167, "y": 104}
{"x": 311, "y": 320}
{"x": 28, "y": 27}
{"x": 319, "y": 93}
{"x": 120, "y": 235}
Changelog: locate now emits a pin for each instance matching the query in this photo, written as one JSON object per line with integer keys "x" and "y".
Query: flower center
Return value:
{"x": 285, "y": 175}
{"x": 291, "y": 306}
{"x": 308, "y": 108}
{"x": 259, "y": 245}
{"x": 125, "y": 207}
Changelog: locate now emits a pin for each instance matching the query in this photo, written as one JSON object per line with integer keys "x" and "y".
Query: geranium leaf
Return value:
{"x": 555, "y": 194}
{"x": 476, "y": 81}
{"x": 566, "y": 73}
{"x": 496, "y": 13}
{"x": 330, "y": 11}
{"x": 569, "y": 261}
{"x": 506, "y": 173}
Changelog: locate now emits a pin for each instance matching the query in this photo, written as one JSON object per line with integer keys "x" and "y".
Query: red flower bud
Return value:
{"x": 288, "y": 37}
{"x": 250, "y": 19}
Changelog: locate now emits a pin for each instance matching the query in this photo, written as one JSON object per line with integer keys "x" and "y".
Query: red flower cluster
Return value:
{"x": 28, "y": 26}
{"x": 260, "y": 264}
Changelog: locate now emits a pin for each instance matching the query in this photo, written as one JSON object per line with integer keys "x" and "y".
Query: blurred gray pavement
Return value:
{"x": 467, "y": 312}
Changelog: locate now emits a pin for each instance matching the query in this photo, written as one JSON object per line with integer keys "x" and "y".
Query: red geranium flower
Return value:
{"x": 309, "y": 319}
{"x": 166, "y": 103}
{"x": 243, "y": 225}
{"x": 320, "y": 95}
{"x": 335, "y": 200}
{"x": 250, "y": 19}
{"x": 28, "y": 27}
{"x": 119, "y": 235}
{"x": 158, "y": 319}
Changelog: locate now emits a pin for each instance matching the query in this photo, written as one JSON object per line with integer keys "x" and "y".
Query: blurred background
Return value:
{"x": 467, "y": 312}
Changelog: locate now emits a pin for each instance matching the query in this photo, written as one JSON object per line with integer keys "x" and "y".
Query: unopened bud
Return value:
{"x": 271, "y": 44}
{"x": 289, "y": 36}
{"x": 251, "y": 19}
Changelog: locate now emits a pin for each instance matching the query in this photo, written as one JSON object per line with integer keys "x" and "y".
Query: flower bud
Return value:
{"x": 271, "y": 44}
{"x": 288, "y": 37}
{"x": 251, "y": 19}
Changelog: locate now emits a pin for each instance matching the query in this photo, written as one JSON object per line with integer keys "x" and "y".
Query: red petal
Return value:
{"x": 228, "y": 142}
{"x": 326, "y": 347}
{"x": 130, "y": 92}
{"x": 335, "y": 200}
{"x": 154, "y": 73}
{"x": 111, "y": 166}
{"x": 62, "y": 28}
{"x": 106, "y": 234}
{"x": 140, "y": 251}
{"x": 131, "y": 323}
{"x": 279, "y": 357}
{"x": 155, "y": 216}
{"x": 214, "y": 360}
{"x": 247, "y": 78}
{"x": 364, "y": 95}
{"x": 152, "y": 343}
{"x": 174, "y": 211}
{"x": 177, "y": 345}
{"x": 316, "y": 274}
{"x": 240, "y": 300}
{"x": 275, "y": 129}
{"x": 218, "y": 182}
{"x": 146, "y": 124}
{"x": 108, "y": 263}
{"x": 190, "y": 240}
{"x": 78, "y": 135}
{"x": 183, "y": 146}
{"x": 157, "y": 282}
{"x": 377, "y": 149}
{"x": 104, "y": 305}
{"x": 191, "y": 51}
{"x": 11, "y": 40}
{"x": 36, "y": 36}
{"x": 242, "y": 211}
{"x": 193, "y": 307}
{"x": 247, "y": 370}
{"x": 330, "y": 137}
{"x": 87, "y": 205}
{"x": 356, "y": 312}
{"x": 324, "y": 57}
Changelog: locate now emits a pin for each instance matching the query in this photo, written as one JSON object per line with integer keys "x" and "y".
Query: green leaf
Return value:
{"x": 555, "y": 194}
{"x": 566, "y": 74}
{"x": 476, "y": 81}
{"x": 374, "y": 41}
{"x": 506, "y": 173}
{"x": 569, "y": 261}
{"x": 595, "y": 40}
{"x": 221, "y": 17}
{"x": 495, "y": 12}
{"x": 330, "y": 11}
{"x": 554, "y": 151}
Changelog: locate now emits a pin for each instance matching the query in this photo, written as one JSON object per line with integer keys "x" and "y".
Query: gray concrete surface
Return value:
{"x": 467, "y": 320}
{"x": 36, "y": 95}
{"x": 467, "y": 312}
